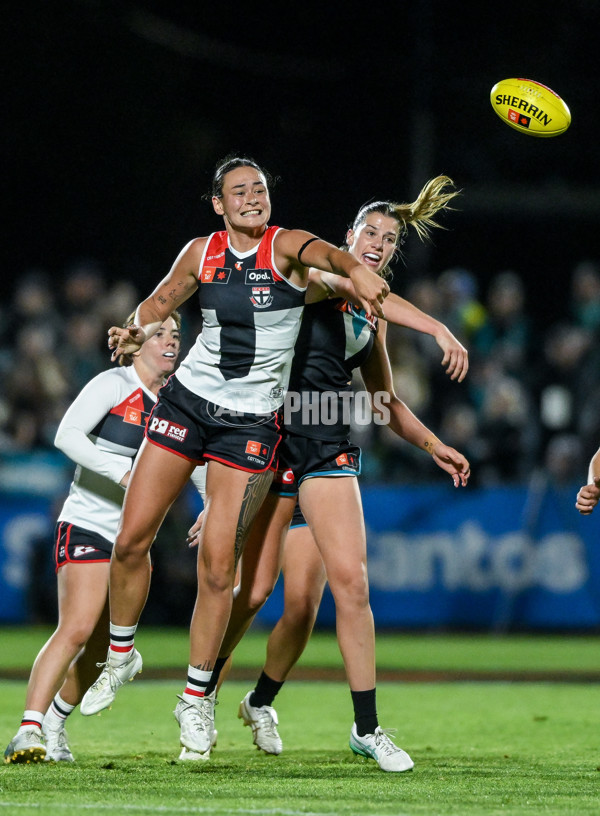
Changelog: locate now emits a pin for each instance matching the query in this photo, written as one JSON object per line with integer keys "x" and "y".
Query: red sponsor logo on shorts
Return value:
{"x": 170, "y": 429}
{"x": 284, "y": 476}
{"x": 257, "y": 449}
{"x": 342, "y": 459}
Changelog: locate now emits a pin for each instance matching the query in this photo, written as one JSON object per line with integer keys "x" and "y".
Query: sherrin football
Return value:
{"x": 530, "y": 107}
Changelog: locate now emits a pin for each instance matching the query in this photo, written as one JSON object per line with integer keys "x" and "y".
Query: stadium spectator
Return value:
{"x": 462, "y": 310}
{"x": 585, "y": 295}
{"x": 505, "y": 335}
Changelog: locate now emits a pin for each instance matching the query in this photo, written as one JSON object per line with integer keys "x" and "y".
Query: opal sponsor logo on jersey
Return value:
{"x": 259, "y": 276}
{"x": 170, "y": 429}
{"x": 261, "y": 296}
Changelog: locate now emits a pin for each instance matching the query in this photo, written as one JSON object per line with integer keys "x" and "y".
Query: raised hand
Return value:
{"x": 588, "y": 497}
{"x": 125, "y": 340}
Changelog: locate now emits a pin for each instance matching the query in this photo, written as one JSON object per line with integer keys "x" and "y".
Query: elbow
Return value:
{"x": 59, "y": 440}
{"x": 63, "y": 440}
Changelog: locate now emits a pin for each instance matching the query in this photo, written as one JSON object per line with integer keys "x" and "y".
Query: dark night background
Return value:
{"x": 116, "y": 112}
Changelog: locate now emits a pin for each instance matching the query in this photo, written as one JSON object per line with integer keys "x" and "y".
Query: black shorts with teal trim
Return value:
{"x": 198, "y": 430}
{"x": 302, "y": 458}
{"x": 76, "y": 545}
{"x": 298, "y": 519}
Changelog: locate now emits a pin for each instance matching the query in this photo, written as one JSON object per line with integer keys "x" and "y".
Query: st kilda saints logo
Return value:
{"x": 261, "y": 297}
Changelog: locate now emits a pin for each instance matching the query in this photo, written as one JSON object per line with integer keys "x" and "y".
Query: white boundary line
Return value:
{"x": 117, "y": 808}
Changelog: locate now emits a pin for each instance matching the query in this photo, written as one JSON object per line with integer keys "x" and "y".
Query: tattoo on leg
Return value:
{"x": 256, "y": 490}
{"x": 206, "y": 666}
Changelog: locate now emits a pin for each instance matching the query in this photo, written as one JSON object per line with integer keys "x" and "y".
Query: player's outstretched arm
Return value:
{"x": 377, "y": 375}
{"x": 399, "y": 311}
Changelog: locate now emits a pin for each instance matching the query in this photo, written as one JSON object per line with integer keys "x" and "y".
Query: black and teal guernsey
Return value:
{"x": 335, "y": 338}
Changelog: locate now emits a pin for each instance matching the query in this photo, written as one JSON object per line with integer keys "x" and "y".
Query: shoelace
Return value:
{"x": 267, "y": 719}
{"x": 200, "y": 715}
{"x": 57, "y": 740}
{"x": 383, "y": 740}
{"x": 33, "y": 737}
{"x": 113, "y": 680}
{"x": 61, "y": 738}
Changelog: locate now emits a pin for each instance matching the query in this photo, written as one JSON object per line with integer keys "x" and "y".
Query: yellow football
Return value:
{"x": 530, "y": 107}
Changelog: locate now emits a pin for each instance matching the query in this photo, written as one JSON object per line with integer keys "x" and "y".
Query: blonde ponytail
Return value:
{"x": 434, "y": 197}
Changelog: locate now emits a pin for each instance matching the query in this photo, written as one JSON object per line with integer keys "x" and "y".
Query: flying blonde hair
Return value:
{"x": 420, "y": 214}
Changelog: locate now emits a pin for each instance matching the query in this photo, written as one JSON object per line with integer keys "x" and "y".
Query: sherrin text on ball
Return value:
{"x": 530, "y": 107}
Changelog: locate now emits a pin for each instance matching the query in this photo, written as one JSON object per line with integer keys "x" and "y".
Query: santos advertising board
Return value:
{"x": 438, "y": 557}
{"x": 486, "y": 558}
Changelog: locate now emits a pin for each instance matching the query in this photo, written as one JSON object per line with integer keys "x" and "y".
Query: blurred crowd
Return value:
{"x": 528, "y": 407}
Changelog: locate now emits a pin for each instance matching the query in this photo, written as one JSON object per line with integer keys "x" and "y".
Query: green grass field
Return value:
{"x": 484, "y": 747}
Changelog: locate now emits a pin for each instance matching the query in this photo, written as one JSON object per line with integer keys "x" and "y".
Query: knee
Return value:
{"x": 258, "y": 596}
{"x": 130, "y": 550}
{"x": 217, "y": 581}
{"x": 301, "y": 601}
{"x": 215, "y": 576}
{"x": 75, "y": 636}
{"x": 301, "y": 613}
{"x": 351, "y": 587}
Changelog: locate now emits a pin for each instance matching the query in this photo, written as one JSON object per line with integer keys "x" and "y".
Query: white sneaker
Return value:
{"x": 194, "y": 756}
{"x": 379, "y": 746}
{"x": 102, "y": 694}
{"x": 197, "y": 721}
{"x": 57, "y": 749}
{"x": 263, "y": 721}
{"x": 26, "y": 746}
